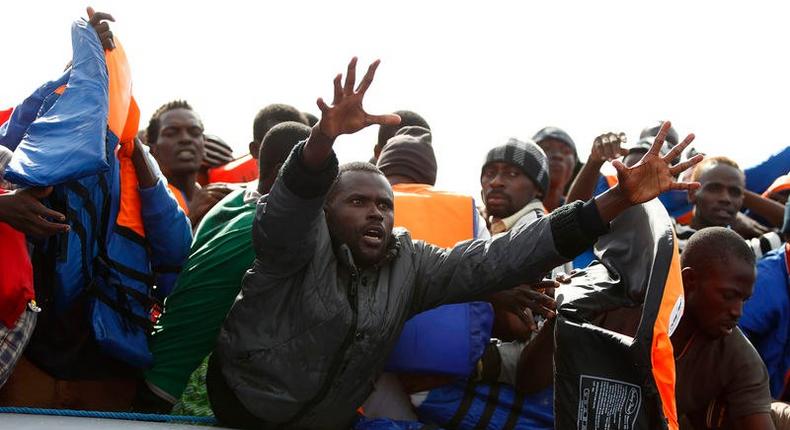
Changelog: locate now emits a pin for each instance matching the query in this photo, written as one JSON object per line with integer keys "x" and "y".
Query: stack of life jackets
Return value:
{"x": 76, "y": 133}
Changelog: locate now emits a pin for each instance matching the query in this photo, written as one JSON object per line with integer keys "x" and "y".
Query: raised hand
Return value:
{"x": 654, "y": 174}
{"x": 346, "y": 115}
{"x": 98, "y": 20}
{"x": 608, "y": 147}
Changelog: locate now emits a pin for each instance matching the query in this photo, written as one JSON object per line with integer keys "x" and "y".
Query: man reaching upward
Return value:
{"x": 332, "y": 285}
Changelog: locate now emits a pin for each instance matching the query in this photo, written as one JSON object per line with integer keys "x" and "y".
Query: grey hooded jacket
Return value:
{"x": 311, "y": 332}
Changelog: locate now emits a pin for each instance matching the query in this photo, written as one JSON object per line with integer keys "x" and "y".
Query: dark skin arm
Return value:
{"x": 772, "y": 211}
{"x": 648, "y": 178}
{"x": 606, "y": 147}
{"x": 345, "y": 116}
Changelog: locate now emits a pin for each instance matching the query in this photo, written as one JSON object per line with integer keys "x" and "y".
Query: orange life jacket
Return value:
{"x": 438, "y": 217}
{"x": 240, "y": 170}
{"x": 781, "y": 183}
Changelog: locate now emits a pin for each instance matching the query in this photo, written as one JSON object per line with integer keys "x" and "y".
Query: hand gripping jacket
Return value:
{"x": 605, "y": 379}
{"x": 76, "y": 134}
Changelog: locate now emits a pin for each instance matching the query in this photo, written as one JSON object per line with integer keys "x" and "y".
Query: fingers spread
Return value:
{"x": 687, "y": 186}
{"x": 368, "y": 79}
{"x": 655, "y": 149}
{"x": 677, "y": 150}
{"x": 387, "y": 119}
{"x": 680, "y": 167}
{"x": 338, "y": 89}
{"x": 322, "y": 105}
{"x": 351, "y": 76}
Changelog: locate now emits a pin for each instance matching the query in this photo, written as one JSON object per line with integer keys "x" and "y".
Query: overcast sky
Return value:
{"x": 479, "y": 72}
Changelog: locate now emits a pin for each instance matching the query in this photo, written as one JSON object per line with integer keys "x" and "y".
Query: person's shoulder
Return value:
{"x": 739, "y": 351}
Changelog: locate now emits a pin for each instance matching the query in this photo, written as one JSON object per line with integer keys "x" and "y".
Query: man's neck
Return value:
{"x": 683, "y": 334}
{"x": 185, "y": 184}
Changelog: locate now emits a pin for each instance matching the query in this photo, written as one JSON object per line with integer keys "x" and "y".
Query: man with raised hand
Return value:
{"x": 332, "y": 284}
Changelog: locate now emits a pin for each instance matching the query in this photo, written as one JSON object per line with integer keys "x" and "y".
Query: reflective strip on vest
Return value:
{"x": 437, "y": 217}
{"x": 662, "y": 353}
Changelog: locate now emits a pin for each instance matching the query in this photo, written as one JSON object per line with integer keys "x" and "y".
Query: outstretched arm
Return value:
{"x": 285, "y": 225}
{"x": 526, "y": 253}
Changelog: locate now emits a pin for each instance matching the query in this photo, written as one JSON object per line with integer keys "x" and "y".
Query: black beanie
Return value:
{"x": 410, "y": 154}
{"x": 557, "y": 134}
{"x": 526, "y": 155}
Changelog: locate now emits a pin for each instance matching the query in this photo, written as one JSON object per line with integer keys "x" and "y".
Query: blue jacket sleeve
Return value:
{"x": 168, "y": 232}
{"x": 760, "y": 177}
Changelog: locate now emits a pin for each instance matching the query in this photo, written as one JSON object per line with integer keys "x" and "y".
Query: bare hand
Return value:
{"x": 205, "y": 199}
{"x": 514, "y": 309}
{"x": 653, "y": 174}
{"x": 23, "y": 211}
{"x": 346, "y": 114}
{"x": 97, "y": 20}
{"x": 608, "y": 147}
{"x": 747, "y": 227}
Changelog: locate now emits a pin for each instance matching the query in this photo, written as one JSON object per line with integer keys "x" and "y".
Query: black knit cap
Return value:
{"x": 556, "y": 134}
{"x": 526, "y": 155}
{"x": 409, "y": 153}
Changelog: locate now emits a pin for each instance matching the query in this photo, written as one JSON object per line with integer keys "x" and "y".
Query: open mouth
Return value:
{"x": 373, "y": 236}
{"x": 186, "y": 155}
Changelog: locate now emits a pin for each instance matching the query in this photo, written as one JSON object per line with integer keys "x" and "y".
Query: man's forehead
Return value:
{"x": 180, "y": 117}
{"x": 722, "y": 173}
{"x": 363, "y": 182}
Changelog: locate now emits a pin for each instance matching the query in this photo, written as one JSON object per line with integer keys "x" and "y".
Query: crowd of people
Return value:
{"x": 148, "y": 270}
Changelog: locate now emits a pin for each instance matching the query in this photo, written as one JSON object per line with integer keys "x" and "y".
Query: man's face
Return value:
{"x": 719, "y": 197}
{"x": 360, "y": 214}
{"x": 561, "y": 162}
{"x": 506, "y": 189}
{"x": 179, "y": 147}
{"x": 715, "y": 294}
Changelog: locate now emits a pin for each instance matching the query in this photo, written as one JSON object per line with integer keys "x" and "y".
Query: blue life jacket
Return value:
{"x": 447, "y": 340}
{"x": 62, "y": 137}
{"x": 469, "y": 405}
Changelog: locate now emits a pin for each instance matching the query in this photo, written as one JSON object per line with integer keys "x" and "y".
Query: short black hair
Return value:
{"x": 272, "y": 115}
{"x": 311, "y": 119}
{"x": 715, "y": 244}
{"x": 278, "y": 143}
{"x": 407, "y": 118}
{"x": 152, "y": 132}
{"x": 354, "y": 166}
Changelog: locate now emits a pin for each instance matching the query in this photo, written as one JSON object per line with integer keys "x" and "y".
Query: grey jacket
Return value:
{"x": 310, "y": 332}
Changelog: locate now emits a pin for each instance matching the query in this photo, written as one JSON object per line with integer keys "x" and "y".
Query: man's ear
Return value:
{"x": 689, "y": 281}
{"x": 254, "y": 147}
{"x": 154, "y": 150}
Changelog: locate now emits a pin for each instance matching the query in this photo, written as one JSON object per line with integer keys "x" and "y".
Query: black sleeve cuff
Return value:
{"x": 576, "y": 227}
{"x": 307, "y": 183}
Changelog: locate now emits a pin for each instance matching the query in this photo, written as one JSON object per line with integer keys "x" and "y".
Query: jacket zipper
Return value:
{"x": 337, "y": 360}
